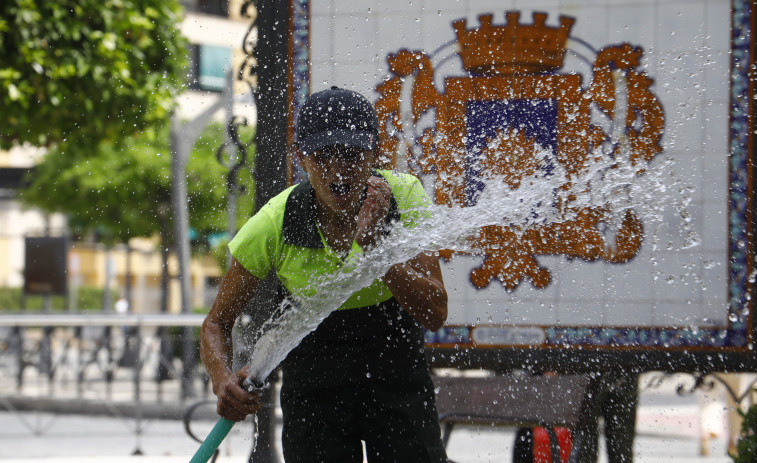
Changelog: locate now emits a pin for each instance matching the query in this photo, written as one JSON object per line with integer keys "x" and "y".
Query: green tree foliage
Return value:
{"x": 746, "y": 449}
{"x": 123, "y": 190}
{"x": 87, "y": 70}
{"x": 88, "y": 298}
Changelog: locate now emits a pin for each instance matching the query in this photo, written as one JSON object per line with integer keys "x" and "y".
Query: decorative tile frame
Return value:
{"x": 738, "y": 335}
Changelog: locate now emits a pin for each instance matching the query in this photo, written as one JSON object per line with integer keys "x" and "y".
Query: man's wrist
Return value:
{"x": 219, "y": 379}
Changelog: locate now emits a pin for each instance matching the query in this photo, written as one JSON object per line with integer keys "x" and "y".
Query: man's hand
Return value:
{"x": 234, "y": 402}
{"x": 370, "y": 219}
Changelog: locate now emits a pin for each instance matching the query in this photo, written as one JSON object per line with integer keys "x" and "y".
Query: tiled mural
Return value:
{"x": 662, "y": 84}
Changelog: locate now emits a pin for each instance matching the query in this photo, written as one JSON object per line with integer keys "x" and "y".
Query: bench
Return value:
{"x": 547, "y": 401}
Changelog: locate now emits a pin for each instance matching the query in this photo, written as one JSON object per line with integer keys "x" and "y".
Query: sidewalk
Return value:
{"x": 668, "y": 431}
{"x": 44, "y": 438}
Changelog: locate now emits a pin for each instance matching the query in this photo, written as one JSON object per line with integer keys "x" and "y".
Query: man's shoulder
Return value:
{"x": 412, "y": 199}
{"x": 270, "y": 216}
{"x": 398, "y": 178}
{"x": 276, "y": 205}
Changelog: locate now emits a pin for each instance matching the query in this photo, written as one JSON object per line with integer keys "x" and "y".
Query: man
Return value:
{"x": 362, "y": 374}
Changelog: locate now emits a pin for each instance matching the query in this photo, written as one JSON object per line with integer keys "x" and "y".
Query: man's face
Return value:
{"x": 339, "y": 175}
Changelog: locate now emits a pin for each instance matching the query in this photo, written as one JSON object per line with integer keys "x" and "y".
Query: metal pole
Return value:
{"x": 233, "y": 156}
{"x": 180, "y": 151}
{"x": 183, "y": 136}
{"x": 137, "y": 389}
{"x": 271, "y": 139}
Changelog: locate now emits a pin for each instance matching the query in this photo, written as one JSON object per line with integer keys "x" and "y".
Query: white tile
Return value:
{"x": 321, "y": 38}
{"x": 465, "y": 301}
{"x": 683, "y": 121}
{"x": 632, "y": 24}
{"x": 676, "y": 277}
{"x": 715, "y": 167}
{"x": 578, "y": 4}
{"x": 715, "y": 224}
{"x": 581, "y": 313}
{"x": 715, "y": 276}
{"x": 491, "y": 6}
{"x": 715, "y": 227}
{"x": 627, "y": 314}
{"x": 354, "y": 38}
{"x": 590, "y": 26}
{"x": 321, "y": 8}
{"x": 718, "y": 25}
{"x": 321, "y": 75}
{"x": 714, "y": 235}
{"x": 358, "y": 76}
{"x": 397, "y": 31}
{"x": 629, "y": 282}
{"x": 717, "y": 74}
{"x": 445, "y": 5}
{"x": 678, "y": 314}
{"x": 524, "y": 305}
{"x": 533, "y": 313}
{"x": 686, "y": 168}
{"x": 678, "y": 74}
{"x": 359, "y": 7}
{"x": 437, "y": 30}
{"x": 485, "y": 312}
{"x": 674, "y": 233}
{"x": 716, "y": 128}
{"x": 527, "y": 292}
{"x": 579, "y": 280}
{"x": 457, "y": 286}
{"x": 535, "y": 4}
{"x": 715, "y": 184}
{"x": 680, "y": 25}
{"x": 378, "y": 8}
{"x": 714, "y": 312}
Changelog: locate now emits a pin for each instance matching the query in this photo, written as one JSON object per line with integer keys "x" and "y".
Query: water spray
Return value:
{"x": 536, "y": 202}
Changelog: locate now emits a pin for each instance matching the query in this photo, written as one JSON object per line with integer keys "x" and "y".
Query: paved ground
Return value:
{"x": 43, "y": 438}
{"x": 668, "y": 431}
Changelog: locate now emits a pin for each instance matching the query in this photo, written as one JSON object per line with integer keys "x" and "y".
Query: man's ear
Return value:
{"x": 375, "y": 154}
{"x": 381, "y": 160}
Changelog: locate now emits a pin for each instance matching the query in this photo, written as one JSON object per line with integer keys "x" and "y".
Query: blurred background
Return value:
{"x": 126, "y": 162}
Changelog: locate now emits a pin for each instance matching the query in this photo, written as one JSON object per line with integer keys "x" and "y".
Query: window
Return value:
{"x": 209, "y": 65}
{"x": 214, "y": 7}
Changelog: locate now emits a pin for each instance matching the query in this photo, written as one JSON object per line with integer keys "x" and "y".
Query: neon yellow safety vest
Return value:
{"x": 283, "y": 236}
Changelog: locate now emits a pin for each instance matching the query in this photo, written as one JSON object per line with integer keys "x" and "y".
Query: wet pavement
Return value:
{"x": 669, "y": 429}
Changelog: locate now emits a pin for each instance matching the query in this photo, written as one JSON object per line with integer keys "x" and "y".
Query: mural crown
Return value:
{"x": 513, "y": 47}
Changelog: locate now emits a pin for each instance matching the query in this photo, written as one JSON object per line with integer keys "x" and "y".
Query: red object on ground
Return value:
{"x": 542, "y": 453}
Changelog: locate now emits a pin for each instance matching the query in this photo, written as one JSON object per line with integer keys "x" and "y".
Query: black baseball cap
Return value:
{"x": 336, "y": 117}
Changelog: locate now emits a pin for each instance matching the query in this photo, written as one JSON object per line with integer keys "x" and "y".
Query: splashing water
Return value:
{"x": 256, "y": 433}
{"x": 541, "y": 199}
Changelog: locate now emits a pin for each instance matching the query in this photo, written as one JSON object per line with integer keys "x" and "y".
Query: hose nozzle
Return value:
{"x": 255, "y": 387}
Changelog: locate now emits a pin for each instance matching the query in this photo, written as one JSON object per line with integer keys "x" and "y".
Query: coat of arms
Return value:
{"x": 514, "y": 103}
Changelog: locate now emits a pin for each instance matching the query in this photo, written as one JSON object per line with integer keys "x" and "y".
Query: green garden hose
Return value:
{"x": 222, "y": 428}
{"x": 214, "y": 439}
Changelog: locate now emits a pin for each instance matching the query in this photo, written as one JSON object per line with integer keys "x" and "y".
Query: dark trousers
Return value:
{"x": 397, "y": 422}
{"x": 616, "y": 403}
{"x": 361, "y": 376}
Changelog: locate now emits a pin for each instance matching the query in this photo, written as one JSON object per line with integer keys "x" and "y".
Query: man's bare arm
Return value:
{"x": 418, "y": 287}
{"x": 216, "y": 347}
